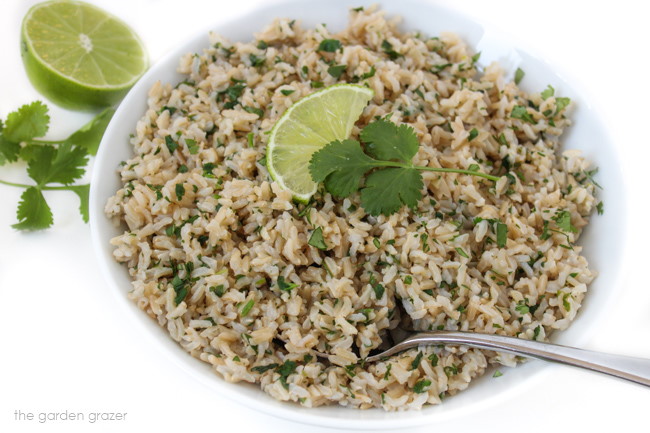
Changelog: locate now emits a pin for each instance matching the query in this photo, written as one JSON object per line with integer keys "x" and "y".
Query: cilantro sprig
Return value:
{"x": 393, "y": 181}
{"x": 52, "y": 165}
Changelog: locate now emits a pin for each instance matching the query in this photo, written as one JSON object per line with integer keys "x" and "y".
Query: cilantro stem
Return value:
{"x": 457, "y": 170}
{"x": 42, "y": 188}
{"x": 18, "y": 185}
{"x": 34, "y": 141}
{"x": 436, "y": 169}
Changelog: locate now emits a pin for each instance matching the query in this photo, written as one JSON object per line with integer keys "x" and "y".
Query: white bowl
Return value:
{"x": 603, "y": 239}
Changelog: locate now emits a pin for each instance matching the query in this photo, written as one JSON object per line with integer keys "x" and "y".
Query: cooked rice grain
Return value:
{"x": 209, "y": 234}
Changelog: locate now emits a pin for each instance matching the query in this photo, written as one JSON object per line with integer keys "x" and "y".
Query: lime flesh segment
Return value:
{"x": 306, "y": 127}
{"x": 79, "y": 56}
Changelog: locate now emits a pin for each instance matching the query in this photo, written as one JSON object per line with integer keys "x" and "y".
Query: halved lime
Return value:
{"x": 306, "y": 127}
{"x": 79, "y": 56}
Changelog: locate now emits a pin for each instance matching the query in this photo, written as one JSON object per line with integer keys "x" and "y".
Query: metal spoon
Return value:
{"x": 633, "y": 369}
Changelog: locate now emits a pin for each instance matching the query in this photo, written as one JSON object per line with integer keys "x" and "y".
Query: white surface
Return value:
{"x": 66, "y": 348}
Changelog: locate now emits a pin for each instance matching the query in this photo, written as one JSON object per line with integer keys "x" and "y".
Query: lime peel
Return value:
{"x": 306, "y": 127}
{"x": 79, "y": 56}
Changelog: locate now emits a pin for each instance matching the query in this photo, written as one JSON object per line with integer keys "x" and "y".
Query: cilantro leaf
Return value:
{"x": 548, "y": 92}
{"x": 9, "y": 150}
{"x": 28, "y": 122}
{"x": 563, "y": 221}
{"x": 388, "y": 189}
{"x": 63, "y": 165}
{"x": 82, "y": 191}
{"x": 520, "y": 112}
{"x": 387, "y": 141}
{"x": 90, "y": 135}
{"x": 387, "y": 48}
{"x": 341, "y": 165}
{"x": 336, "y": 71}
{"x": 519, "y": 75}
{"x": 285, "y": 370}
{"x": 316, "y": 239}
{"x": 330, "y": 45}
{"x": 561, "y": 104}
{"x": 284, "y": 285}
{"x": 502, "y": 234}
{"x": 33, "y": 211}
{"x": 421, "y": 386}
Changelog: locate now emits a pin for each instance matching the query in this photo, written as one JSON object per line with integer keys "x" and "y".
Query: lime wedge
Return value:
{"x": 79, "y": 56}
{"x": 306, "y": 127}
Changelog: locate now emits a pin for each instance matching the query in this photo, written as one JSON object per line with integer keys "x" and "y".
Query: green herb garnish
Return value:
{"x": 520, "y": 112}
{"x": 421, "y": 385}
{"x": 285, "y": 370}
{"x": 336, "y": 71}
{"x": 218, "y": 290}
{"x": 180, "y": 191}
{"x": 330, "y": 45}
{"x": 416, "y": 362}
{"x": 52, "y": 165}
{"x": 264, "y": 368}
{"x": 387, "y": 47}
{"x": 502, "y": 234}
{"x": 389, "y": 149}
{"x": 247, "y": 308}
{"x": 316, "y": 239}
{"x": 548, "y": 92}
{"x": 519, "y": 75}
{"x": 284, "y": 285}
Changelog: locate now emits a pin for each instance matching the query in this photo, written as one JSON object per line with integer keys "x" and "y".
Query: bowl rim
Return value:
{"x": 362, "y": 420}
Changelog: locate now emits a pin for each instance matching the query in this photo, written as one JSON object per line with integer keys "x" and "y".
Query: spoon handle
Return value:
{"x": 633, "y": 369}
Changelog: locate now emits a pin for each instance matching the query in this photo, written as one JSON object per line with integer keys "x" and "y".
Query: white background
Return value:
{"x": 64, "y": 345}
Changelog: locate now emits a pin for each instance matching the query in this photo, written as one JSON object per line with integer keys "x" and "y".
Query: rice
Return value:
{"x": 211, "y": 241}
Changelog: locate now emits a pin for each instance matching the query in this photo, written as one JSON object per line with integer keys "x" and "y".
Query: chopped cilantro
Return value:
{"x": 316, "y": 239}
{"x": 416, "y": 362}
{"x": 421, "y": 385}
{"x": 451, "y": 370}
{"x": 264, "y": 368}
{"x": 336, "y": 71}
{"x": 255, "y": 110}
{"x": 171, "y": 144}
{"x": 257, "y": 61}
{"x": 330, "y": 45}
{"x": 387, "y": 47}
{"x": 520, "y": 112}
{"x": 218, "y": 290}
{"x": 519, "y": 75}
{"x": 548, "y": 92}
{"x": 472, "y": 134}
{"x": 247, "y": 308}
{"x": 287, "y": 92}
{"x": 180, "y": 191}
{"x": 284, "y": 285}
{"x": 387, "y": 374}
{"x": 285, "y": 370}
{"x": 502, "y": 234}
{"x": 379, "y": 290}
